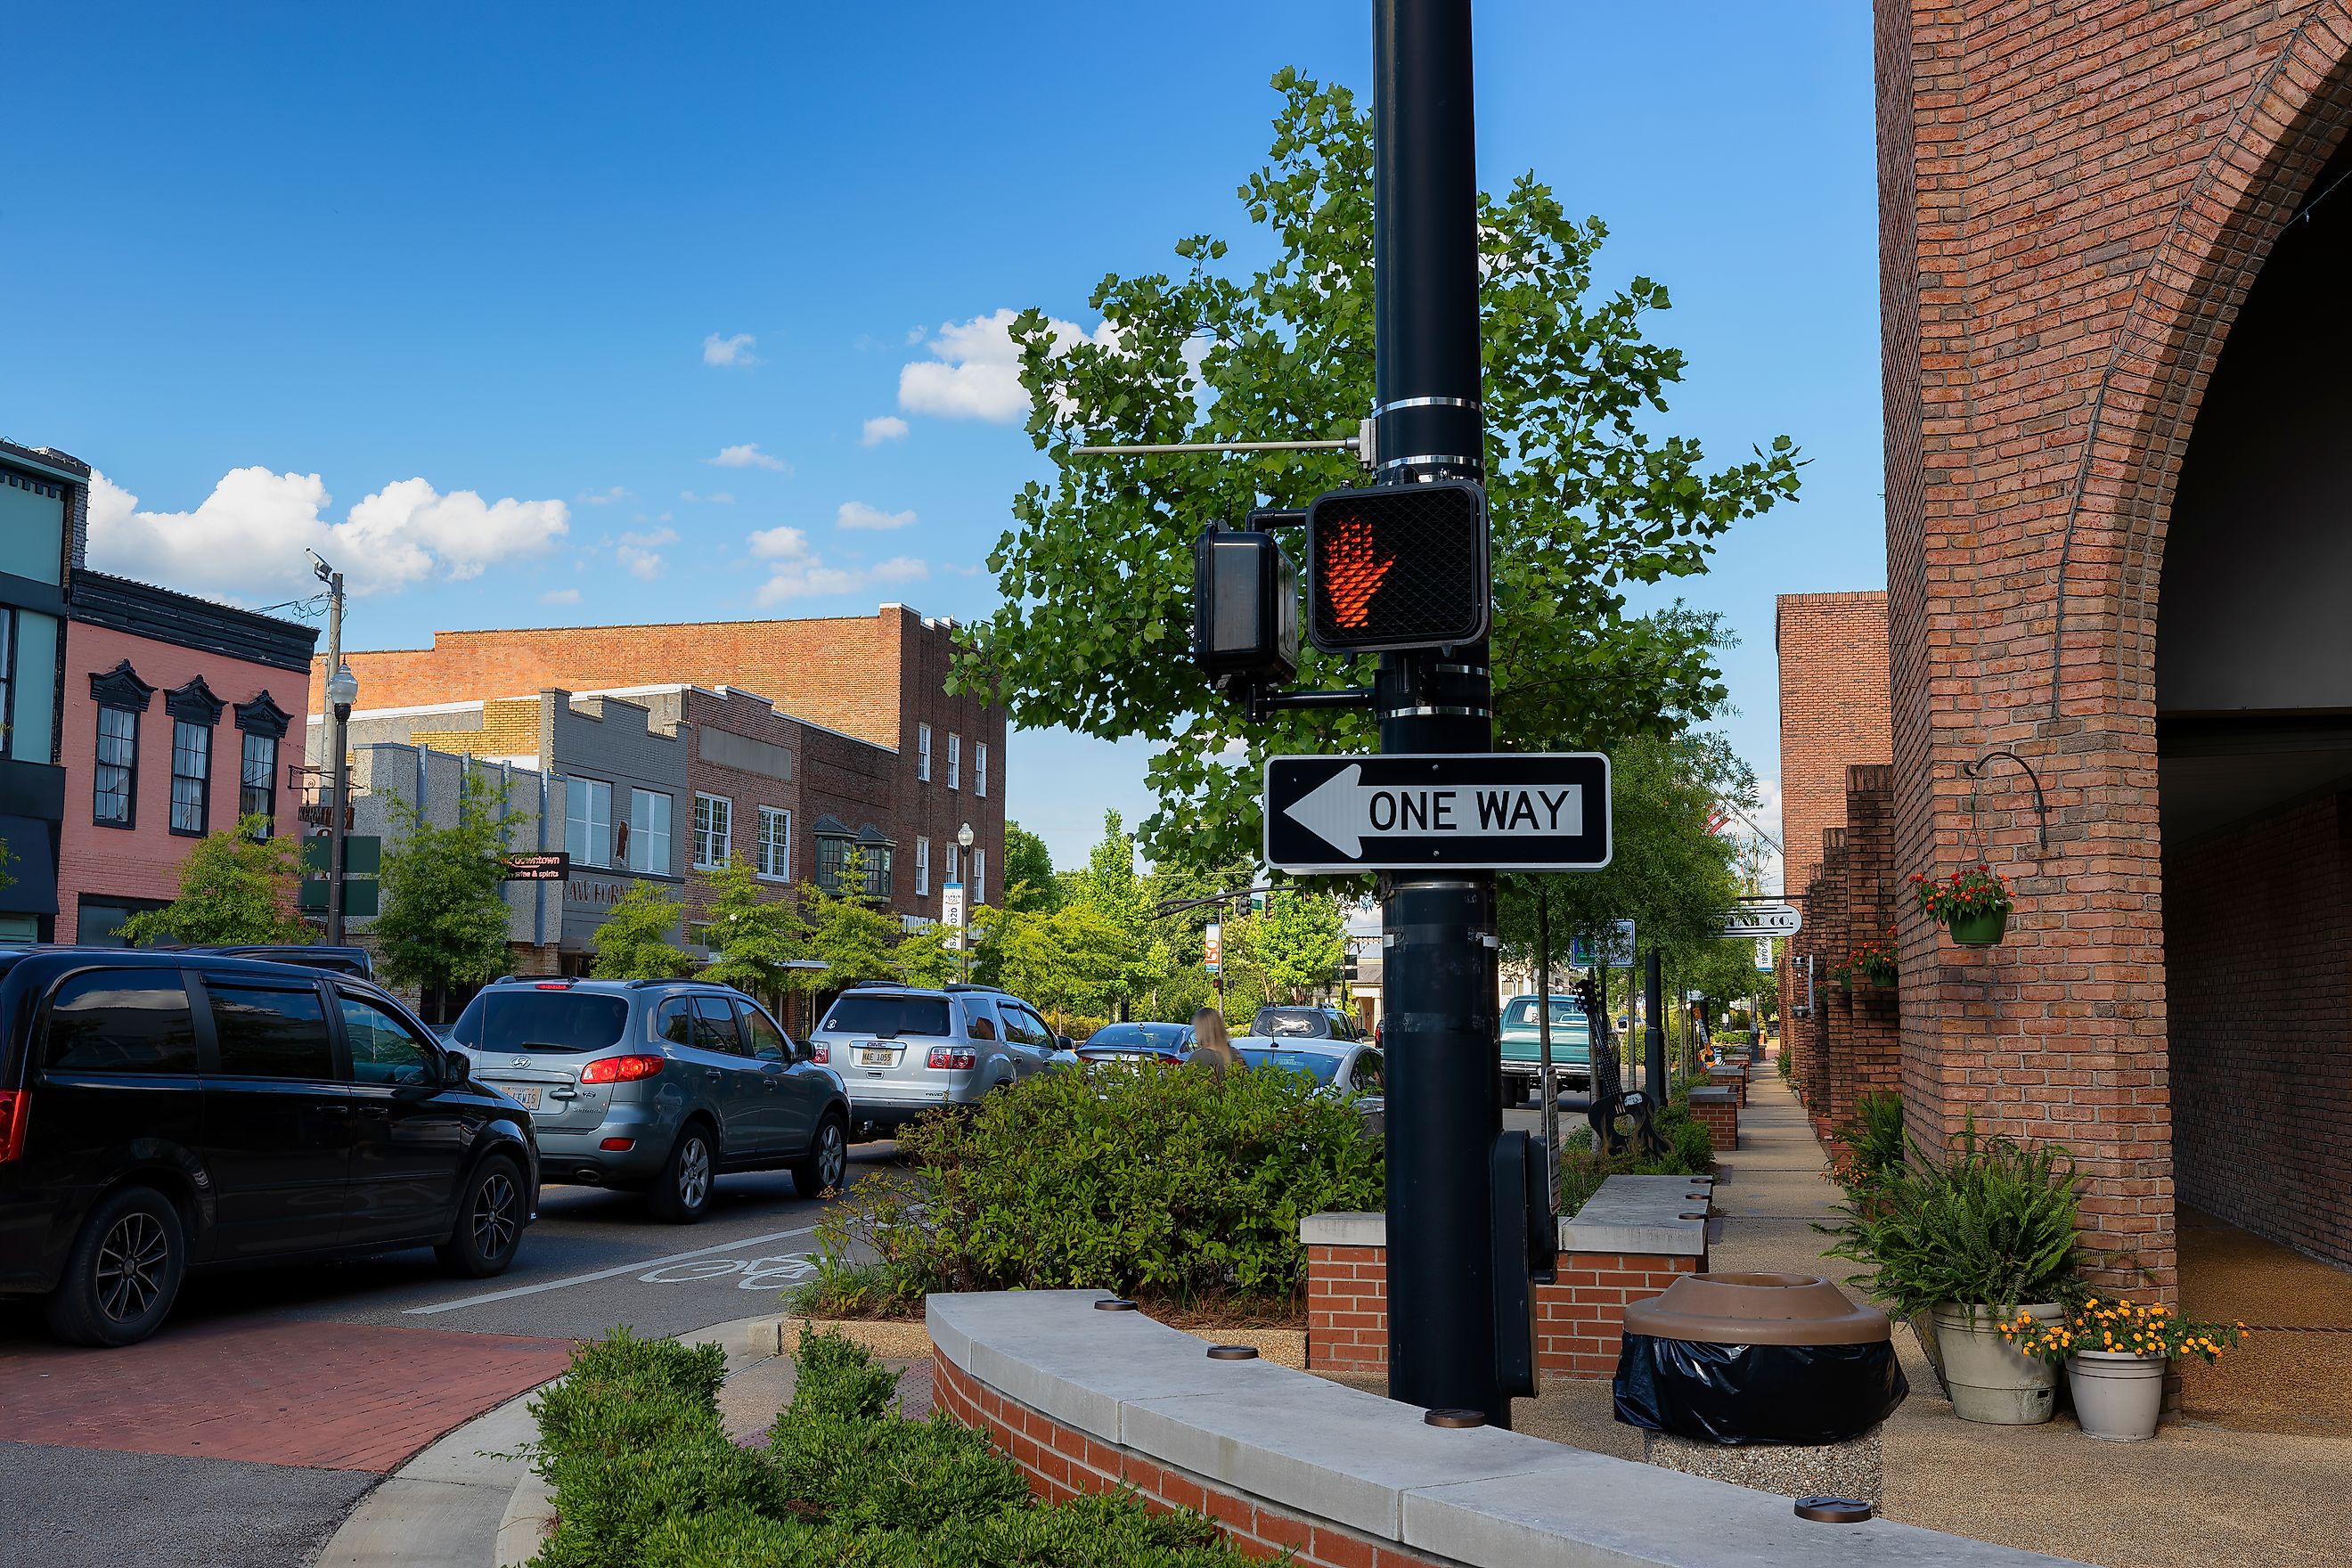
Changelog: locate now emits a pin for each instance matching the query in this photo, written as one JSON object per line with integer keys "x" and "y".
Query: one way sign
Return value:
{"x": 1547, "y": 812}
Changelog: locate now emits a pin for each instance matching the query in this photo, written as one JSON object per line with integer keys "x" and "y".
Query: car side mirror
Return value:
{"x": 1062, "y": 1043}
{"x": 456, "y": 1067}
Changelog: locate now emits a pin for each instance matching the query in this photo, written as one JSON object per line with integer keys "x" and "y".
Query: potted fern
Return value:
{"x": 1962, "y": 1250}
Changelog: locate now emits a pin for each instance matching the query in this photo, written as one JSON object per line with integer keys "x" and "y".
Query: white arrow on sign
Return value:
{"x": 1343, "y": 811}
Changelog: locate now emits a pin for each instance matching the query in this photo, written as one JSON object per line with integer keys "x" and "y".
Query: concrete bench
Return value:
{"x": 1089, "y": 1402}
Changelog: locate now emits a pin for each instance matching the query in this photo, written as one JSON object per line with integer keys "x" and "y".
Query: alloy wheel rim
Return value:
{"x": 832, "y": 1158}
{"x": 694, "y": 1173}
{"x": 494, "y": 1224}
{"x": 130, "y": 1264}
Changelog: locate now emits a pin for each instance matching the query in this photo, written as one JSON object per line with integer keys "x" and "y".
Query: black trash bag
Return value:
{"x": 1800, "y": 1395}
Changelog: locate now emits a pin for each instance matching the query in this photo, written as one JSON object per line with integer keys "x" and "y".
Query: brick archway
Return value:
{"x": 2072, "y": 207}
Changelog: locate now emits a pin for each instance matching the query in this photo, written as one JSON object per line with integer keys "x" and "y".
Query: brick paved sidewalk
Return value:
{"x": 325, "y": 1395}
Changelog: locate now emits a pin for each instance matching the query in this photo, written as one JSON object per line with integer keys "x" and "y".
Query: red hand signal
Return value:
{"x": 1351, "y": 574}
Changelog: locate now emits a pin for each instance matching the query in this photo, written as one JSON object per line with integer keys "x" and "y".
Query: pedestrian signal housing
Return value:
{"x": 1245, "y": 609}
{"x": 1399, "y": 567}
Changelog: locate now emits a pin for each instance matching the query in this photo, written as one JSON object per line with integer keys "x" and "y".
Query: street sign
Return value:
{"x": 952, "y": 911}
{"x": 1215, "y": 934}
{"x": 1762, "y": 919}
{"x": 1617, "y": 948}
{"x": 537, "y": 865}
{"x": 1485, "y": 811}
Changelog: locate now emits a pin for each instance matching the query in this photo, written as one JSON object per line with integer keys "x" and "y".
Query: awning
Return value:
{"x": 32, "y": 866}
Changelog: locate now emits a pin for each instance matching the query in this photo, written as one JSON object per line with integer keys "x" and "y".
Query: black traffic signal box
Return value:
{"x": 1397, "y": 566}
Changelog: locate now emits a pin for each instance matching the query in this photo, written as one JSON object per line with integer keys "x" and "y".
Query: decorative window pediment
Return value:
{"x": 195, "y": 703}
{"x": 121, "y": 687}
{"x": 262, "y": 716}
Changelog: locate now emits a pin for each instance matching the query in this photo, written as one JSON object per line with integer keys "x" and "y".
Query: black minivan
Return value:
{"x": 161, "y": 1111}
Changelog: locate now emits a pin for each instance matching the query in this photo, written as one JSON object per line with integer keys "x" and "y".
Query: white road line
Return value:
{"x": 639, "y": 1267}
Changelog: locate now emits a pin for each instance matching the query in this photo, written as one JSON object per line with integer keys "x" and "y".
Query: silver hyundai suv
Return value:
{"x": 657, "y": 1085}
{"x": 902, "y": 1050}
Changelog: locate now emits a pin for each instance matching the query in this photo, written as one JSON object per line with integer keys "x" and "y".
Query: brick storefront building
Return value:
{"x": 2113, "y": 245}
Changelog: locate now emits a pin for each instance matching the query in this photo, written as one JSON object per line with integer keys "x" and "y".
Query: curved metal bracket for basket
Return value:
{"x": 1974, "y": 772}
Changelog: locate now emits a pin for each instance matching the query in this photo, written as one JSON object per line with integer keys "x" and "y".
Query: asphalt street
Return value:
{"x": 594, "y": 1260}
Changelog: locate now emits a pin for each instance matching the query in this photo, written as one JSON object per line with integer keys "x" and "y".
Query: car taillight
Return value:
{"x": 953, "y": 1059}
{"x": 15, "y": 1110}
{"x": 620, "y": 1069}
{"x": 820, "y": 1052}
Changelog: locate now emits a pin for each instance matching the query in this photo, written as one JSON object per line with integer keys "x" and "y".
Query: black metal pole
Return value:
{"x": 1654, "y": 1038}
{"x": 1443, "y": 1071}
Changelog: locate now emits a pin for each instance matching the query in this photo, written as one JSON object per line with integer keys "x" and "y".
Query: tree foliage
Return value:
{"x": 855, "y": 939}
{"x": 634, "y": 943}
{"x": 1096, "y": 571}
{"x": 1027, "y": 883}
{"x": 755, "y": 936}
{"x": 235, "y": 886}
{"x": 445, "y": 912}
{"x": 1298, "y": 943}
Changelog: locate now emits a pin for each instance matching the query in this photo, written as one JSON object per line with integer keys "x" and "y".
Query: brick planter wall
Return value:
{"x": 1062, "y": 1464}
{"x": 1720, "y": 1117}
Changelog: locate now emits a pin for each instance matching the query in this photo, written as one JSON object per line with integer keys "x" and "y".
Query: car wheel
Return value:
{"x": 490, "y": 1222}
{"x": 826, "y": 1164}
{"x": 681, "y": 1193}
{"x": 123, "y": 1272}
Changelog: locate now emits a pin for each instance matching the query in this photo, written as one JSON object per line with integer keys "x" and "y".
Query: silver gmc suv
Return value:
{"x": 657, "y": 1085}
{"x": 902, "y": 1050}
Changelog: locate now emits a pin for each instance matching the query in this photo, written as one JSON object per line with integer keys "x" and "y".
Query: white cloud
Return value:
{"x": 735, "y": 351}
{"x": 799, "y": 572}
{"x": 971, "y": 571}
{"x": 647, "y": 540}
{"x": 747, "y": 456}
{"x": 606, "y": 498}
{"x": 882, "y": 427}
{"x": 560, "y": 597}
{"x": 245, "y": 539}
{"x": 857, "y": 514}
{"x": 639, "y": 563}
{"x": 975, "y": 370}
{"x": 715, "y": 498}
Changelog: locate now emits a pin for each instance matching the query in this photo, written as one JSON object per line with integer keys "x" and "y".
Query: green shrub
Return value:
{"x": 645, "y": 1478}
{"x": 1994, "y": 1226}
{"x": 1873, "y": 1138}
{"x": 1690, "y": 1152}
{"x": 1174, "y": 1185}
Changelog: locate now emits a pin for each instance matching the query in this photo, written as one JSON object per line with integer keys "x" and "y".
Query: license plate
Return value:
{"x": 525, "y": 1095}
{"x": 875, "y": 1056}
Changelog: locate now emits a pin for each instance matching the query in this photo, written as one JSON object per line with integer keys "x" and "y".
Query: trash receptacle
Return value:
{"x": 1757, "y": 1358}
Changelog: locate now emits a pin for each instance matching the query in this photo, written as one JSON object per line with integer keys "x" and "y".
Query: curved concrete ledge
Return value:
{"x": 1087, "y": 1401}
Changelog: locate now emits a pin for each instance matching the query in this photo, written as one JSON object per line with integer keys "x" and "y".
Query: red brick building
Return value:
{"x": 2113, "y": 245}
{"x": 177, "y": 721}
{"x": 850, "y": 738}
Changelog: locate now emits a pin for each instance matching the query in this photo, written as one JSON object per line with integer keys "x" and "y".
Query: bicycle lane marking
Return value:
{"x": 643, "y": 1265}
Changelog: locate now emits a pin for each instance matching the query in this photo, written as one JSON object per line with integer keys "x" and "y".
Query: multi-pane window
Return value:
{"x": 980, "y": 768}
{"x": 831, "y": 860}
{"x": 8, "y": 675}
{"x": 257, "y": 773}
{"x": 192, "y": 775}
{"x": 117, "y": 773}
{"x": 776, "y": 843}
{"x": 923, "y": 753}
{"x": 650, "y": 831}
{"x": 714, "y": 830}
{"x": 955, "y": 863}
{"x": 588, "y": 822}
{"x": 877, "y": 868}
{"x": 922, "y": 867}
{"x": 955, "y": 761}
{"x": 978, "y": 894}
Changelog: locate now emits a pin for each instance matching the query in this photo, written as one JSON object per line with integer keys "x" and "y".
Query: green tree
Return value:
{"x": 634, "y": 943}
{"x": 755, "y": 936}
{"x": 1298, "y": 943}
{"x": 856, "y": 941}
{"x": 1118, "y": 902}
{"x": 1071, "y": 962}
{"x": 1027, "y": 882}
{"x": 1587, "y": 497}
{"x": 235, "y": 886}
{"x": 443, "y": 912}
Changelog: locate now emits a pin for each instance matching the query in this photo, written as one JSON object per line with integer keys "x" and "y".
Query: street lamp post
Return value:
{"x": 963, "y": 905}
{"x": 342, "y": 692}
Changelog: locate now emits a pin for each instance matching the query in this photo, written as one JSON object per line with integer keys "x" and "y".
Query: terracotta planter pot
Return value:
{"x": 1989, "y": 1380}
{"x": 2117, "y": 1395}
{"x": 1980, "y": 930}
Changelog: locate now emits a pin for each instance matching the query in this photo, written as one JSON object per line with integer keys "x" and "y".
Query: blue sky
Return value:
{"x": 528, "y": 289}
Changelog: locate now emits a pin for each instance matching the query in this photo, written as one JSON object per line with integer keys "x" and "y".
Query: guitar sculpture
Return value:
{"x": 1610, "y": 1102}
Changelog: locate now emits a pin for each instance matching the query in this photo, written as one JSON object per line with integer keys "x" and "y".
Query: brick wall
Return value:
{"x": 1062, "y": 1463}
{"x": 1872, "y": 1058}
{"x": 2258, "y": 924}
{"x": 1579, "y": 1320}
{"x": 1833, "y": 693}
{"x": 1721, "y": 1120}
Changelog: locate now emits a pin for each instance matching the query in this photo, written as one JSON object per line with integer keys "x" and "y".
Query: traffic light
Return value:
{"x": 1399, "y": 567}
{"x": 1245, "y": 609}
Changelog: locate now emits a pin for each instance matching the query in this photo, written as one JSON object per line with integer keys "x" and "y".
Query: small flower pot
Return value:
{"x": 2117, "y": 1395}
{"x": 1988, "y": 1379}
{"x": 1984, "y": 930}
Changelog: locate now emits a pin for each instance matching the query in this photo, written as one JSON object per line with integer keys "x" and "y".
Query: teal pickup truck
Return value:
{"x": 1522, "y": 1050}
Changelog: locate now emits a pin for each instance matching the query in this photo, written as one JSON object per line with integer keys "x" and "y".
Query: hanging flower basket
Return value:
{"x": 1872, "y": 962}
{"x": 1973, "y": 904}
